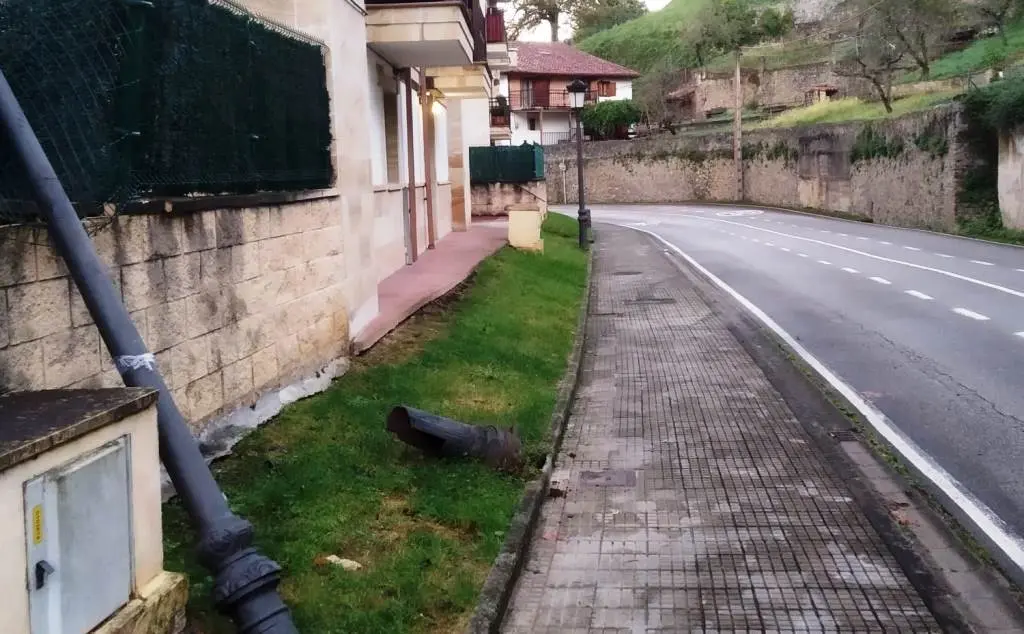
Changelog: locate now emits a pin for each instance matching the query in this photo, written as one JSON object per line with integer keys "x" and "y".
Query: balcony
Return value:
{"x": 431, "y": 33}
{"x": 553, "y": 99}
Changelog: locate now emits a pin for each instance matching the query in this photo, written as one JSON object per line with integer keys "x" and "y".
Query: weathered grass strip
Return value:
{"x": 326, "y": 478}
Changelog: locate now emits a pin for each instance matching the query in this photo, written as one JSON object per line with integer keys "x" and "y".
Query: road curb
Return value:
{"x": 497, "y": 589}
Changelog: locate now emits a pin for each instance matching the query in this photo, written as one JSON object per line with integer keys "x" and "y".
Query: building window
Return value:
{"x": 497, "y": 82}
{"x": 605, "y": 88}
{"x": 391, "y": 142}
{"x": 531, "y": 122}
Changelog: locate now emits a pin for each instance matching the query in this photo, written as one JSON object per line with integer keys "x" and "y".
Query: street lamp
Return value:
{"x": 577, "y": 96}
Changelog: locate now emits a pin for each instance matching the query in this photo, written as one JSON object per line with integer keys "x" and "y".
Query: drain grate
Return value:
{"x": 623, "y": 273}
{"x": 609, "y": 478}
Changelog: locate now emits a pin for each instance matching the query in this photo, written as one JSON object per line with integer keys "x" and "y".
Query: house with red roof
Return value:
{"x": 535, "y": 87}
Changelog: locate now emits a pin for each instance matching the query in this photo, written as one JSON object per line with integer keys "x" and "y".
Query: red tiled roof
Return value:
{"x": 555, "y": 58}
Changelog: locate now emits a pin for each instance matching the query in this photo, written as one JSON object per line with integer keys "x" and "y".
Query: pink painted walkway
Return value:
{"x": 436, "y": 272}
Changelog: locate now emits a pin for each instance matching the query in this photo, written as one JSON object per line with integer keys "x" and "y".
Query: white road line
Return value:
{"x": 990, "y": 524}
{"x": 858, "y": 237}
{"x": 841, "y": 234}
{"x": 754, "y": 239}
{"x": 767, "y": 244}
{"x": 889, "y": 244}
{"x": 911, "y": 248}
{"x": 849, "y": 270}
{"x": 825, "y": 262}
{"x": 880, "y": 280}
{"x": 947, "y": 256}
{"x": 920, "y": 267}
{"x": 823, "y": 230}
{"x": 1020, "y": 334}
{"x": 918, "y": 294}
{"x": 803, "y": 255}
{"x": 982, "y": 262}
{"x": 784, "y": 249}
{"x": 970, "y": 314}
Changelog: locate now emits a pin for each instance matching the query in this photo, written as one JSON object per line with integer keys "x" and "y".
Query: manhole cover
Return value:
{"x": 622, "y": 273}
{"x": 609, "y": 478}
{"x": 651, "y": 300}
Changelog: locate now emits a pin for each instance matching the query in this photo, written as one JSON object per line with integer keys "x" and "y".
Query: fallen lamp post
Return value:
{"x": 245, "y": 582}
{"x": 499, "y": 448}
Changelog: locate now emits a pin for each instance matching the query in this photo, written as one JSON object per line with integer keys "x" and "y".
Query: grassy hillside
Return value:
{"x": 642, "y": 43}
{"x": 855, "y": 110}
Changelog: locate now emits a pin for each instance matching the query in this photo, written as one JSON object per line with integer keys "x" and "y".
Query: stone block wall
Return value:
{"x": 802, "y": 168}
{"x": 495, "y": 199}
{"x": 233, "y": 302}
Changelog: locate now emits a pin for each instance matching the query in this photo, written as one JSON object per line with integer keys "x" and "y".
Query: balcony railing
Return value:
{"x": 501, "y": 115}
{"x": 495, "y": 25}
{"x": 553, "y": 98}
{"x": 554, "y": 138}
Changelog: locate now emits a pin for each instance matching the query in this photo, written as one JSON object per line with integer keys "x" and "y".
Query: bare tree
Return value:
{"x": 876, "y": 57}
{"x": 998, "y": 13}
{"x": 918, "y": 25}
{"x": 651, "y": 94}
{"x": 529, "y": 14}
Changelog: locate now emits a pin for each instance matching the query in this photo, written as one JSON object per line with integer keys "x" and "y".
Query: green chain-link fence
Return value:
{"x": 133, "y": 99}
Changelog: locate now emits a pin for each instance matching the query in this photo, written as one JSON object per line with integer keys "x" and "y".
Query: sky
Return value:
{"x": 543, "y": 32}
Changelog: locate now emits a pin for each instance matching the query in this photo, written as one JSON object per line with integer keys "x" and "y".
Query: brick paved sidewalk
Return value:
{"x": 694, "y": 500}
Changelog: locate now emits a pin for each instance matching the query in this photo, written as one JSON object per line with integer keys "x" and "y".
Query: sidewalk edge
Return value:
{"x": 497, "y": 589}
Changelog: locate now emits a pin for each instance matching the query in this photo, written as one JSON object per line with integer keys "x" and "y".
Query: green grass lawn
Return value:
{"x": 326, "y": 478}
{"x": 981, "y": 54}
{"x": 853, "y": 109}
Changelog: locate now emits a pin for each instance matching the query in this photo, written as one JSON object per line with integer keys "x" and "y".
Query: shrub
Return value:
{"x": 609, "y": 118}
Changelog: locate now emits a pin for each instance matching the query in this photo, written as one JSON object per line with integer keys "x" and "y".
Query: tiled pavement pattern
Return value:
{"x": 694, "y": 501}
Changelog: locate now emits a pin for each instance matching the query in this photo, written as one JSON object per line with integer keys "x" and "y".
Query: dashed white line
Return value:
{"x": 849, "y": 270}
{"x": 784, "y": 249}
{"x": 803, "y": 255}
{"x": 970, "y": 314}
{"x": 880, "y": 280}
{"x": 911, "y": 248}
{"x": 918, "y": 294}
{"x": 947, "y": 256}
{"x": 1020, "y": 334}
{"x": 844, "y": 235}
{"x": 825, "y": 262}
{"x": 885, "y": 242}
{"x": 982, "y": 262}
{"x": 768, "y": 244}
{"x": 756, "y": 239}
{"x": 825, "y": 231}
{"x": 912, "y": 265}
{"x": 862, "y": 237}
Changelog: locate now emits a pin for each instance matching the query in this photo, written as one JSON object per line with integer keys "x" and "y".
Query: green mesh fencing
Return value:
{"x": 506, "y": 164}
{"x": 132, "y": 99}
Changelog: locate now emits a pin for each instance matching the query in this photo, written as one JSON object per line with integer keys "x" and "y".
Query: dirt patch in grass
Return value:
{"x": 325, "y": 478}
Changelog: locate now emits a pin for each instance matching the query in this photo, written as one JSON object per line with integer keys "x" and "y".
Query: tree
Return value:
{"x": 528, "y": 14}
{"x": 774, "y": 23}
{"x": 651, "y": 95}
{"x": 608, "y": 118}
{"x": 724, "y": 26}
{"x": 593, "y": 16}
{"x": 918, "y": 25}
{"x": 997, "y": 13}
{"x": 875, "y": 57}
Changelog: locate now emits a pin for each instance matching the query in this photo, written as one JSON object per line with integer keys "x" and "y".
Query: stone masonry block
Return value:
{"x": 264, "y": 367}
{"x": 182, "y": 275}
{"x": 143, "y": 284}
{"x": 166, "y": 234}
{"x": 167, "y": 324}
{"x": 245, "y": 261}
{"x": 49, "y": 263}
{"x": 18, "y": 265}
{"x": 4, "y": 332}
{"x": 207, "y": 310}
{"x": 199, "y": 231}
{"x": 38, "y": 309}
{"x": 180, "y": 397}
{"x": 205, "y": 396}
{"x": 287, "y": 354}
{"x": 70, "y": 356}
{"x": 21, "y": 367}
{"x": 277, "y": 222}
{"x": 191, "y": 359}
{"x": 230, "y": 227}
{"x": 238, "y": 381}
{"x": 215, "y": 266}
{"x": 130, "y": 239}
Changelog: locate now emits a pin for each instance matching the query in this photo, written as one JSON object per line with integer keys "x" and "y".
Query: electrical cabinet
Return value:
{"x": 78, "y": 540}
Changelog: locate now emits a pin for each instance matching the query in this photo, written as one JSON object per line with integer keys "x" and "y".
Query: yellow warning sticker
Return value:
{"x": 37, "y": 524}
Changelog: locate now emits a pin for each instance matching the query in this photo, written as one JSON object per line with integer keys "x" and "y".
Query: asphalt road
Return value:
{"x": 929, "y": 328}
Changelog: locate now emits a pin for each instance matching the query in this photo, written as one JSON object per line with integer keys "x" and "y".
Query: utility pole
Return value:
{"x": 737, "y": 128}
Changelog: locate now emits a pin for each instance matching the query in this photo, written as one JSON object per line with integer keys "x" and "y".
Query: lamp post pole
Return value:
{"x": 582, "y": 214}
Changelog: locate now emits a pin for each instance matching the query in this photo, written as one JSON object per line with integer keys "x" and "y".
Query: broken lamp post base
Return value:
{"x": 439, "y": 436}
